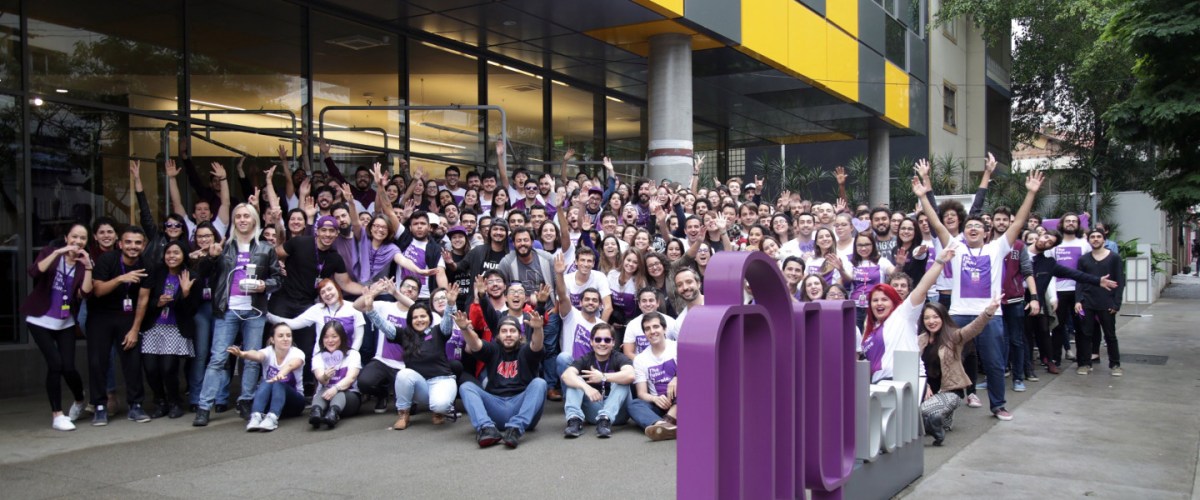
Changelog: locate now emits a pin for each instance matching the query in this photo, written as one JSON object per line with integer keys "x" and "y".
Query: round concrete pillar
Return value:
{"x": 670, "y": 103}
{"x": 878, "y": 160}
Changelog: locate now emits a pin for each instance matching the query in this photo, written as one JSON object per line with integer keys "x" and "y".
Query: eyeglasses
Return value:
{"x": 865, "y": 245}
{"x": 974, "y": 226}
{"x": 602, "y": 340}
{"x": 173, "y": 225}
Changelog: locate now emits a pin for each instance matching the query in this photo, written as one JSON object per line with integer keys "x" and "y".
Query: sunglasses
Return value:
{"x": 603, "y": 340}
{"x": 173, "y": 225}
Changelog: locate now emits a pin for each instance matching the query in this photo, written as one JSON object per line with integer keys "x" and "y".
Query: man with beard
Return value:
{"x": 802, "y": 244}
{"x": 514, "y": 396}
{"x": 527, "y": 265}
{"x": 112, "y": 304}
{"x": 458, "y": 272}
{"x": 1067, "y": 253}
{"x": 1098, "y": 307}
{"x": 488, "y": 186}
{"x": 308, "y": 260}
{"x": 325, "y": 198}
{"x": 825, "y": 214}
{"x": 238, "y": 302}
{"x": 687, "y": 288}
{"x": 450, "y": 216}
{"x": 885, "y": 240}
{"x": 474, "y": 181}
{"x": 452, "y": 175}
{"x": 577, "y": 321}
{"x": 644, "y": 189}
{"x": 1046, "y": 267}
{"x": 546, "y": 188}
{"x": 1018, "y": 276}
{"x": 416, "y": 245}
{"x": 597, "y": 386}
{"x": 378, "y": 376}
{"x": 487, "y": 257}
{"x": 361, "y": 191}
{"x": 344, "y": 243}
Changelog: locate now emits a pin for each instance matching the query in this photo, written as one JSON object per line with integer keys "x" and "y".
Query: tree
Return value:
{"x": 1163, "y": 106}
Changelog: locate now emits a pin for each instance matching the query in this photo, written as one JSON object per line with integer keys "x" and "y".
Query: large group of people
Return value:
{"x": 495, "y": 291}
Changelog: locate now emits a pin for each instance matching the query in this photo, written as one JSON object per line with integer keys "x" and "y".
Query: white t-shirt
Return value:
{"x": 272, "y": 367}
{"x": 866, "y": 275}
{"x": 390, "y": 353}
{"x": 624, "y": 297}
{"x": 977, "y": 275}
{"x": 576, "y": 336}
{"x": 342, "y": 362}
{"x": 216, "y": 222}
{"x": 319, "y": 314}
{"x": 634, "y": 334}
{"x": 1067, "y": 254}
{"x": 813, "y": 266}
{"x": 795, "y": 247}
{"x": 656, "y": 371}
{"x": 595, "y": 280}
{"x": 899, "y": 333}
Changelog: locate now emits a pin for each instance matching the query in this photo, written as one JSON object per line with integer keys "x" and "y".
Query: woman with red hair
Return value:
{"x": 892, "y": 322}
{"x": 330, "y": 307}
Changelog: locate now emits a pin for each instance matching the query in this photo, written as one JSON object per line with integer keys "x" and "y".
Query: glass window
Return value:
{"x": 440, "y": 76}
{"x": 519, "y": 92}
{"x": 574, "y": 122}
{"x": 10, "y": 44}
{"x": 120, "y": 53}
{"x": 12, "y": 206}
{"x": 896, "y": 42}
{"x": 246, "y": 56}
{"x": 949, "y": 93}
{"x": 625, "y": 137}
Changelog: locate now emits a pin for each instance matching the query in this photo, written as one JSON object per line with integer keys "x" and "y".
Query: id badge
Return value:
{"x": 862, "y": 301}
{"x": 64, "y": 311}
{"x": 127, "y": 305}
{"x": 317, "y": 282}
{"x": 163, "y": 315}
{"x": 975, "y": 276}
{"x": 207, "y": 294}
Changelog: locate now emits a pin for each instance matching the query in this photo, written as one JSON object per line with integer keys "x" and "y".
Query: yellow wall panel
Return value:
{"x": 765, "y": 29}
{"x": 807, "y": 50}
{"x": 843, "y": 13}
{"x": 896, "y": 95}
{"x": 842, "y": 78}
{"x": 668, "y": 8}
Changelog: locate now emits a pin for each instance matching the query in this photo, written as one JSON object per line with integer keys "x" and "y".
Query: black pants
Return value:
{"x": 162, "y": 373}
{"x": 303, "y": 338}
{"x": 1095, "y": 320}
{"x": 106, "y": 330}
{"x": 1068, "y": 324}
{"x": 58, "y": 348}
{"x": 376, "y": 379}
{"x": 1039, "y": 327}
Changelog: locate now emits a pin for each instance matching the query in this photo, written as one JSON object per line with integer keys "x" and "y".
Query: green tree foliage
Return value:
{"x": 1163, "y": 106}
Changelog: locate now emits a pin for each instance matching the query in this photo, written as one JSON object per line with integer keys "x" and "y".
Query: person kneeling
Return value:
{"x": 336, "y": 369}
{"x": 280, "y": 394}
{"x": 514, "y": 395}
{"x": 597, "y": 386}
{"x": 654, "y": 375}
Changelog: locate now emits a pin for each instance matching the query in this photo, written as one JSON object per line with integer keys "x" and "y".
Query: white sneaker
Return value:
{"x": 76, "y": 410}
{"x": 269, "y": 423}
{"x": 973, "y": 401}
{"x": 63, "y": 423}
{"x": 255, "y": 424}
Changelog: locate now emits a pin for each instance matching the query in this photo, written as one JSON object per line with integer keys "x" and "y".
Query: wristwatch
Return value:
{"x": 603, "y": 378}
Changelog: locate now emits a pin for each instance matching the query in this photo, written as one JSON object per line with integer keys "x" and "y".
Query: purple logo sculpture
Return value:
{"x": 766, "y": 390}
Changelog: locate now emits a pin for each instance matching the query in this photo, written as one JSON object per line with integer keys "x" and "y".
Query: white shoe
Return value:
{"x": 63, "y": 423}
{"x": 269, "y": 423}
{"x": 76, "y": 411}
{"x": 255, "y": 424}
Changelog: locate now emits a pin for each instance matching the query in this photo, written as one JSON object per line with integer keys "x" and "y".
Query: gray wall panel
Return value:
{"x": 817, "y": 5}
{"x": 918, "y": 57}
{"x": 870, "y": 24}
{"x": 870, "y": 78}
{"x": 719, "y": 16}
{"x": 918, "y": 106}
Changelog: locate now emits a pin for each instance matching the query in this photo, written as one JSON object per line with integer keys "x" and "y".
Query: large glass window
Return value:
{"x": 573, "y": 121}
{"x": 10, "y": 44}
{"x": 624, "y": 134}
{"x": 121, "y": 53}
{"x": 519, "y": 92}
{"x": 12, "y": 208}
{"x": 896, "y": 42}
{"x": 246, "y": 56}
{"x": 439, "y": 76}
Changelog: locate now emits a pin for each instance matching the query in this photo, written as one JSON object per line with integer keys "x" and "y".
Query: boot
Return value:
{"x": 332, "y": 416}
{"x": 315, "y": 419}
{"x": 160, "y": 409}
{"x": 438, "y": 418}
{"x": 175, "y": 411}
{"x": 401, "y": 420}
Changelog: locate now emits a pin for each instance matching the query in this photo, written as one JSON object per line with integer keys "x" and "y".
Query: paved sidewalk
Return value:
{"x": 1098, "y": 436}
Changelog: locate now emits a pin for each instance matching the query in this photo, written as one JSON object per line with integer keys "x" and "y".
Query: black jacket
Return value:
{"x": 220, "y": 269}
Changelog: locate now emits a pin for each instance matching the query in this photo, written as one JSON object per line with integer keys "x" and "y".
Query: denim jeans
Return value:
{"x": 521, "y": 411}
{"x": 437, "y": 392}
{"x": 550, "y": 335}
{"x": 199, "y": 364}
{"x": 280, "y": 398}
{"x": 991, "y": 347}
{"x": 612, "y": 406}
{"x": 562, "y": 362}
{"x": 225, "y": 330}
{"x": 645, "y": 414}
{"x": 1017, "y": 358}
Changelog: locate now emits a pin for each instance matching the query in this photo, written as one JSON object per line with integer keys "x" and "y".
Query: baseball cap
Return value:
{"x": 326, "y": 221}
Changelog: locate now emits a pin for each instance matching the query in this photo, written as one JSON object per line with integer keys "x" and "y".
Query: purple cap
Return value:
{"x": 326, "y": 221}
{"x": 456, "y": 229}
{"x": 595, "y": 189}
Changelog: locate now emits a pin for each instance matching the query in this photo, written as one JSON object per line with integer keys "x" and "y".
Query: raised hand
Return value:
{"x": 218, "y": 170}
{"x": 240, "y": 170}
{"x": 135, "y": 173}
{"x": 186, "y": 281}
{"x": 919, "y": 189}
{"x": 948, "y": 253}
{"x": 989, "y": 166}
{"x": 452, "y": 293}
{"x": 500, "y": 149}
{"x": 253, "y": 199}
{"x": 305, "y": 187}
{"x": 171, "y": 169}
{"x": 721, "y": 221}
{"x": 481, "y": 285}
{"x": 462, "y": 320}
{"x": 1034, "y": 181}
{"x": 377, "y": 171}
{"x": 922, "y": 168}
{"x": 536, "y": 320}
{"x": 347, "y": 195}
{"x": 699, "y": 162}
{"x": 323, "y": 146}
{"x": 308, "y": 205}
{"x": 270, "y": 173}
{"x": 283, "y": 156}
{"x": 543, "y": 293}
{"x": 569, "y": 154}
{"x": 840, "y": 206}
{"x": 560, "y": 264}
{"x": 839, "y": 173}
{"x": 992, "y": 306}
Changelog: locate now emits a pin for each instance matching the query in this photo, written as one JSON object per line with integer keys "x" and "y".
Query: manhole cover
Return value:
{"x": 1144, "y": 359}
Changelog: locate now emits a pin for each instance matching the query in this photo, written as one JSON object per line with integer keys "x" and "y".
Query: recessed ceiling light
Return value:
{"x": 510, "y": 22}
{"x": 61, "y": 91}
{"x": 37, "y": 101}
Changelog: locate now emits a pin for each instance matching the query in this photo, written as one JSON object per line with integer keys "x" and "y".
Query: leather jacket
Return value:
{"x": 220, "y": 271}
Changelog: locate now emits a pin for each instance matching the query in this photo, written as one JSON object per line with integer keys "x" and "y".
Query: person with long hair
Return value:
{"x": 866, "y": 269}
{"x": 205, "y": 236}
{"x": 825, "y": 261}
{"x": 675, "y": 250}
{"x": 624, "y": 283}
{"x": 609, "y": 254}
{"x": 813, "y": 288}
{"x": 471, "y": 201}
{"x": 280, "y": 393}
{"x": 336, "y": 367}
{"x": 330, "y": 307}
{"x": 500, "y": 203}
{"x": 781, "y": 227}
{"x": 843, "y": 229}
{"x": 770, "y": 247}
{"x": 941, "y": 344}
{"x": 62, "y": 276}
{"x": 911, "y": 251}
{"x": 165, "y": 304}
{"x": 658, "y": 276}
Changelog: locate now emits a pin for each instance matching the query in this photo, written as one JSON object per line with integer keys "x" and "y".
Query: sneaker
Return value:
{"x": 243, "y": 409}
{"x": 160, "y": 410}
{"x": 554, "y": 394}
{"x": 511, "y": 437}
{"x": 1018, "y": 386}
{"x": 574, "y": 428}
{"x": 381, "y": 405}
{"x": 1117, "y": 371}
{"x": 1095, "y": 357}
{"x": 982, "y": 386}
{"x": 137, "y": 414}
{"x": 201, "y": 419}
{"x": 973, "y": 401}
{"x": 487, "y": 436}
{"x": 1070, "y": 355}
{"x": 269, "y": 423}
{"x": 603, "y": 428}
{"x": 62, "y": 423}
{"x": 100, "y": 416}
{"x": 1052, "y": 368}
{"x": 1031, "y": 378}
{"x": 1083, "y": 370}
{"x": 255, "y": 424}
{"x": 661, "y": 431}
{"x": 76, "y": 410}
{"x": 1003, "y": 414}
{"x": 176, "y": 411}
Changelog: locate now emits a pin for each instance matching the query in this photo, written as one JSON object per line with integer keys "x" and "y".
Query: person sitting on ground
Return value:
{"x": 280, "y": 393}
{"x": 330, "y": 308}
{"x": 515, "y": 395}
{"x": 654, "y": 369}
{"x": 336, "y": 367}
{"x": 597, "y": 386}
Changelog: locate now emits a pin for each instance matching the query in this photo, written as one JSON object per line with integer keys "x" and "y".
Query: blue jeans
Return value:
{"x": 550, "y": 335}
{"x": 437, "y": 392}
{"x": 280, "y": 398}
{"x": 991, "y": 347}
{"x": 645, "y": 414}
{"x": 1017, "y": 359}
{"x": 225, "y": 330}
{"x": 562, "y": 362}
{"x": 612, "y": 406}
{"x": 203, "y": 345}
{"x": 521, "y": 411}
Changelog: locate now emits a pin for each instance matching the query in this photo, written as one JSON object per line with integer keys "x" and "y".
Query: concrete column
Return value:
{"x": 670, "y": 103}
{"x": 878, "y": 161}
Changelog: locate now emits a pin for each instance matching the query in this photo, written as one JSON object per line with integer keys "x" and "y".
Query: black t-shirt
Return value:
{"x": 509, "y": 372}
{"x": 615, "y": 362}
{"x": 462, "y": 276}
{"x": 429, "y": 358}
{"x": 480, "y": 259}
{"x": 108, "y": 267}
{"x": 303, "y": 263}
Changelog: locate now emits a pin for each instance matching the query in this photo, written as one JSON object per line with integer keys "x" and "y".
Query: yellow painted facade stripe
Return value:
{"x": 843, "y": 13}
{"x": 807, "y": 48}
{"x": 842, "y": 78}
{"x": 765, "y": 29}
{"x": 896, "y": 95}
{"x": 666, "y": 8}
